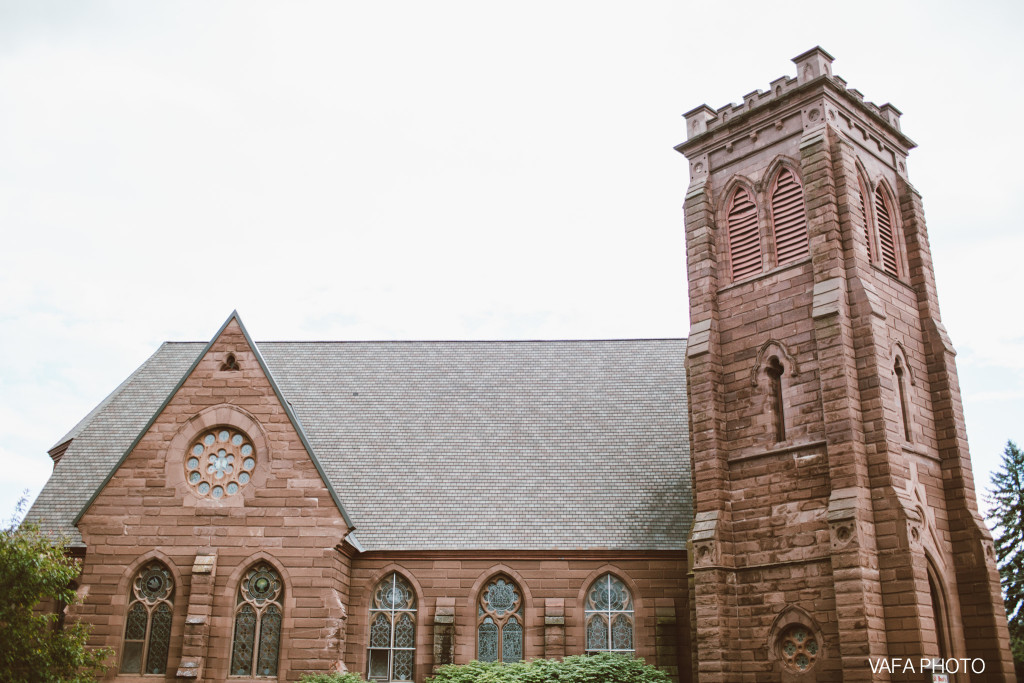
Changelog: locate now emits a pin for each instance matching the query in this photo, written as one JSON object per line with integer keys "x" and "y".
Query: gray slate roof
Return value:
{"x": 453, "y": 445}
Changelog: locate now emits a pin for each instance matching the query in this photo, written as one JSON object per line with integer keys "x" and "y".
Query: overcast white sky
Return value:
{"x": 442, "y": 170}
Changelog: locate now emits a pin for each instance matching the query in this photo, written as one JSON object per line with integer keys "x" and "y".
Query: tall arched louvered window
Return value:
{"x": 744, "y": 237}
{"x": 392, "y": 630}
{"x": 608, "y": 615}
{"x": 886, "y": 234}
{"x": 256, "y": 646}
{"x": 789, "y": 219}
{"x": 863, "y": 209}
{"x": 147, "y": 631}
{"x": 499, "y": 625}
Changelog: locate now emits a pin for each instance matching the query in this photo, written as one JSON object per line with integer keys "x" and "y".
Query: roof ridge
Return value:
{"x": 454, "y": 341}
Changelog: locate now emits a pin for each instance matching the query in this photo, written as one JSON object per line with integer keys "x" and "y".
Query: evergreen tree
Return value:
{"x": 36, "y": 571}
{"x": 1007, "y": 512}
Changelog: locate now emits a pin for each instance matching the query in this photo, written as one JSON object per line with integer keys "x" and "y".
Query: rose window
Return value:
{"x": 799, "y": 648}
{"x": 220, "y": 462}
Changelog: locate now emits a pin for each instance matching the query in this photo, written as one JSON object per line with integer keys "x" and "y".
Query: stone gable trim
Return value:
{"x": 177, "y": 387}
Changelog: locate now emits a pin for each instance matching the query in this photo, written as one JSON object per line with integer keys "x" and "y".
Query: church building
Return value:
{"x": 785, "y": 496}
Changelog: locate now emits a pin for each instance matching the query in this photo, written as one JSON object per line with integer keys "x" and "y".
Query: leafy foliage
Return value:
{"x": 34, "y": 648}
{"x": 332, "y": 678}
{"x": 600, "y": 668}
{"x": 1006, "y": 499}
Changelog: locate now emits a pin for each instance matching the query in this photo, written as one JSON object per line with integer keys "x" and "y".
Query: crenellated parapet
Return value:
{"x": 788, "y": 107}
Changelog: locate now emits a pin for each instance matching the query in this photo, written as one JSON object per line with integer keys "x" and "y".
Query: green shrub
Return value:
{"x": 332, "y": 678}
{"x": 35, "y": 570}
{"x": 599, "y": 668}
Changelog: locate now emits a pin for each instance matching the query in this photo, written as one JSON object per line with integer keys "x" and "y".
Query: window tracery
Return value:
{"x": 798, "y": 647}
{"x": 500, "y": 622}
{"x": 147, "y": 632}
{"x": 256, "y": 643}
{"x": 608, "y": 615}
{"x": 220, "y": 462}
{"x": 392, "y": 650}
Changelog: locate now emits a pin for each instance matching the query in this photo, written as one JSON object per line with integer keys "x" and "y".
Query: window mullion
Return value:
{"x": 145, "y": 638}
{"x": 257, "y": 634}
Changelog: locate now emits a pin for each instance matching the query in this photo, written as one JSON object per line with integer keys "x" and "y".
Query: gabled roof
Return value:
{"x": 453, "y": 445}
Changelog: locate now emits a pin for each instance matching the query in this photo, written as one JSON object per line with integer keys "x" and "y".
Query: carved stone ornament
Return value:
{"x": 705, "y": 554}
{"x": 843, "y": 534}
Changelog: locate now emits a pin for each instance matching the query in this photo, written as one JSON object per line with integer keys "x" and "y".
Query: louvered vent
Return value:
{"x": 744, "y": 240}
{"x": 867, "y": 228}
{"x": 886, "y": 241}
{"x": 789, "y": 219}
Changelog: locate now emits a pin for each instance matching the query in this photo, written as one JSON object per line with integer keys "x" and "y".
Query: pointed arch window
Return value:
{"x": 789, "y": 219}
{"x": 886, "y": 234}
{"x": 147, "y": 631}
{"x": 939, "y": 612}
{"x": 608, "y": 615}
{"x": 744, "y": 237}
{"x": 901, "y": 388}
{"x": 775, "y": 370}
{"x": 500, "y": 619}
{"x": 392, "y": 650}
{"x": 256, "y": 645}
{"x": 863, "y": 210}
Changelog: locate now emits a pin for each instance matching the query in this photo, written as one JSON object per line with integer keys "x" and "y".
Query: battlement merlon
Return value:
{"x": 814, "y": 69}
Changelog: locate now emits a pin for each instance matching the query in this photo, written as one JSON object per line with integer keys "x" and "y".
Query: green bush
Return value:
{"x": 35, "y": 569}
{"x": 332, "y": 678}
{"x": 599, "y": 668}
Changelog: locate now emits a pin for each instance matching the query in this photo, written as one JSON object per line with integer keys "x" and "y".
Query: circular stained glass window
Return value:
{"x": 220, "y": 462}
{"x": 798, "y": 647}
{"x": 260, "y": 584}
{"x": 153, "y": 582}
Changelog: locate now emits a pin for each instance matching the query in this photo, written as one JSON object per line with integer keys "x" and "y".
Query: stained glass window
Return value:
{"x": 147, "y": 630}
{"x": 392, "y": 650}
{"x": 799, "y": 648}
{"x": 608, "y": 614}
{"x": 499, "y": 631}
{"x": 256, "y": 644}
{"x": 219, "y": 462}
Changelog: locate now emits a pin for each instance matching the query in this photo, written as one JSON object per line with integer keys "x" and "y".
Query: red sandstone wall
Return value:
{"x": 656, "y": 580}
{"x": 285, "y": 515}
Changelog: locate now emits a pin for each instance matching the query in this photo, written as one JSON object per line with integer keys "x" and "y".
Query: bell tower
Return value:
{"x": 836, "y": 520}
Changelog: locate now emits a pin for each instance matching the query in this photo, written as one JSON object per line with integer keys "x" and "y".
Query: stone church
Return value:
{"x": 786, "y": 495}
